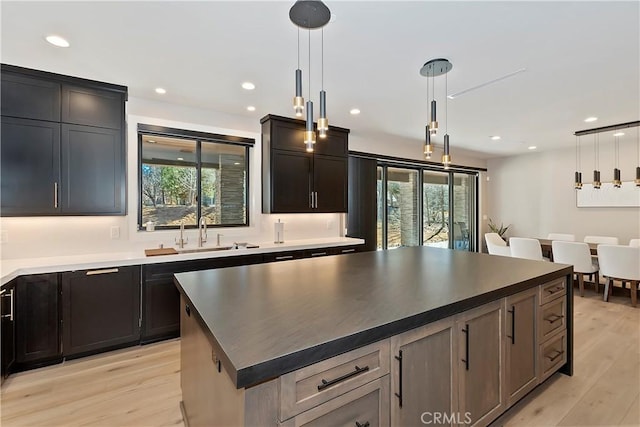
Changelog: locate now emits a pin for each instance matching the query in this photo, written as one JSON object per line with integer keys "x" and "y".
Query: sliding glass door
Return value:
{"x": 435, "y": 209}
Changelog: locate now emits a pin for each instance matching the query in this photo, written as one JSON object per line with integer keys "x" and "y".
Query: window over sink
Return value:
{"x": 185, "y": 175}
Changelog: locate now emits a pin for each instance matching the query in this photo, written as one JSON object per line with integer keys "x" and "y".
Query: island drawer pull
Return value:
{"x": 334, "y": 381}
{"x": 284, "y": 257}
{"x": 399, "y": 394}
{"x": 346, "y": 251}
{"x": 318, "y": 254}
{"x": 558, "y": 354}
{"x": 187, "y": 310}
{"x": 10, "y": 315}
{"x": 465, "y": 331}
{"x": 366, "y": 424}
{"x": 556, "y": 289}
{"x": 513, "y": 324}
{"x": 103, "y": 271}
{"x": 554, "y": 318}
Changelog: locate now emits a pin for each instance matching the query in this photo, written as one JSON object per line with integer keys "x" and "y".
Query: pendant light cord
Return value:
{"x": 309, "y": 79}
{"x": 298, "y": 48}
{"x": 322, "y": 59}
{"x": 446, "y": 103}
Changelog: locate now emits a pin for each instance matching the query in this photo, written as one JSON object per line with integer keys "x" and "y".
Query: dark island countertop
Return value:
{"x": 269, "y": 319}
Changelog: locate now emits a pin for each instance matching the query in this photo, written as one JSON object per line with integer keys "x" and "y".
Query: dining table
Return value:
{"x": 545, "y": 244}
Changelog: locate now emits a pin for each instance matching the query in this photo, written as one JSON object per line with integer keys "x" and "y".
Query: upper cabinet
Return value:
{"x": 63, "y": 145}
{"x": 295, "y": 181}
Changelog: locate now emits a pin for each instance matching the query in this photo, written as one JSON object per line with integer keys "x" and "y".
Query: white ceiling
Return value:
{"x": 581, "y": 58}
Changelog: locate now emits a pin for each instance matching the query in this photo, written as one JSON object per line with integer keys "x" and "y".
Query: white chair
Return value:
{"x": 495, "y": 245}
{"x": 579, "y": 255}
{"x": 562, "y": 236}
{"x": 601, "y": 240}
{"x": 620, "y": 263}
{"x": 522, "y": 247}
{"x": 635, "y": 243}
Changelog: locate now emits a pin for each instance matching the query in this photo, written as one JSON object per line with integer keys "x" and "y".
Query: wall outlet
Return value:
{"x": 115, "y": 232}
{"x": 4, "y": 236}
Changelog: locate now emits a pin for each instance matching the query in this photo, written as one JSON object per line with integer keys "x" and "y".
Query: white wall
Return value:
{"x": 534, "y": 192}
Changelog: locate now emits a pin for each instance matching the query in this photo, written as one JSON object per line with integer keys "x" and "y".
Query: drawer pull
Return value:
{"x": 399, "y": 394}
{"x": 104, "y": 271}
{"x": 362, "y": 424}
{"x": 465, "y": 331}
{"x": 558, "y": 354}
{"x": 187, "y": 310}
{"x": 553, "y": 318}
{"x": 334, "y": 381}
{"x": 318, "y": 254}
{"x": 284, "y": 257}
{"x": 556, "y": 289}
{"x": 513, "y": 324}
{"x": 346, "y": 251}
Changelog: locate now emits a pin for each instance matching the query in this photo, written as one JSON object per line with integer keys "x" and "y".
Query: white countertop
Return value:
{"x": 12, "y": 268}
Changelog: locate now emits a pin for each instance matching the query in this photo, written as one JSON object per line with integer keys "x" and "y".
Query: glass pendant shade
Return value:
{"x": 446, "y": 157}
{"x": 578, "y": 181}
{"x": 616, "y": 178}
{"x": 309, "y": 134}
{"x": 596, "y": 179}
{"x": 428, "y": 148}
{"x": 298, "y": 100}
{"x": 433, "y": 124}
{"x": 323, "y": 122}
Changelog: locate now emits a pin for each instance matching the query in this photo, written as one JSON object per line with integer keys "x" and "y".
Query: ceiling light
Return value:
{"x": 161, "y": 91}
{"x": 590, "y": 119}
{"x": 618, "y": 134}
{"x": 236, "y": 163}
{"x": 248, "y": 86}
{"x": 434, "y": 68}
{"x": 354, "y": 111}
{"x": 180, "y": 158}
{"x": 596, "y": 160}
{"x": 578, "y": 175}
{"x": 57, "y": 41}
{"x": 616, "y": 157}
{"x": 251, "y": 108}
{"x": 532, "y": 147}
{"x": 495, "y": 137}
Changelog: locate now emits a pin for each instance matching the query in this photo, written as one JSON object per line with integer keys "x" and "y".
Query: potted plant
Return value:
{"x": 500, "y": 230}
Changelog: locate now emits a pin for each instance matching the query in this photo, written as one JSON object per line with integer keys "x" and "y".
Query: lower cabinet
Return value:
{"x": 101, "y": 309}
{"x": 161, "y": 310}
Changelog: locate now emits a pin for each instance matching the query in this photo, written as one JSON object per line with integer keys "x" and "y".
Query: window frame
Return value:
{"x": 199, "y": 138}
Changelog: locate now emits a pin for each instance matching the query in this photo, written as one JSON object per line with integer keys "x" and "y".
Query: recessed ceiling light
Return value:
{"x": 248, "y": 86}
{"x": 532, "y": 147}
{"x": 161, "y": 91}
{"x": 180, "y": 158}
{"x": 590, "y": 119}
{"x": 57, "y": 41}
{"x": 251, "y": 108}
{"x": 236, "y": 163}
{"x": 354, "y": 111}
{"x": 495, "y": 137}
{"x": 618, "y": 134}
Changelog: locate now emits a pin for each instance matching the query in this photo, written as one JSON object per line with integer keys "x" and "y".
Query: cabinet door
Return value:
{"x": 423, "y": 378}
{"x": 335, "y": 144}
{"x": 521, "y": 344}
{"x": 92, "y": 107}
{"x": 287, "y": 136}
{"x": 330, "y": 183}
{"x": 161, "y": 310}
{"x": 8, "y": 325}
{"x": 290, "y": 182}
{"x": 37, "y": 319}
{"x": 362, "y": 203}
{"x": 101, "y": 309}
{"x": 92, "y": 171}
{"x": 30, "y": 98}
{"x": 30, "y": 167}
{"x": 480, "y": 361}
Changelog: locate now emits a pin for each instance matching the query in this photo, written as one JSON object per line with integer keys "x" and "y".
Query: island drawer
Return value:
{"x": 367, "y": 405}
{"x": 318, "y": 383}
{"x": 552, "y": 318}
{"x": 552, "y": 290}
{"x": 552, "y": 355}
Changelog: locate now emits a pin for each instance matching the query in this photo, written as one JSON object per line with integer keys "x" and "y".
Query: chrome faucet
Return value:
{"x": 218, "y": 236}
{"x": 202, "y": 231}
{"x": 181, "y": 241}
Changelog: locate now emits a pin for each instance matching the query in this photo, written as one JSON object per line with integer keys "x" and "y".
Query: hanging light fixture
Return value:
{"x": 596, "y": 171}
{"x": 311, "y": 14}
{"x": 432, "y": 69}
{"x": 323, "y": 122}
{"x": 616, "y": 157}
{"x": 578, "y": 180}
{"x": 298, "y": 100}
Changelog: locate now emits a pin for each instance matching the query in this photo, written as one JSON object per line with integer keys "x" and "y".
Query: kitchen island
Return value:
{"x": 376, "y": 337}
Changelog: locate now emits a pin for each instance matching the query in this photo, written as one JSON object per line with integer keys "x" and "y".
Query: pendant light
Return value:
{"x": 578, "y": 176}
{"x": 428, "y": 148}
{"x": 323, "y": 122}
{"x": 638, "y": 154}
{"x": 432, "y": 69}
{"x": 298, "y": 100}
{"x": 596, "y": 171}
{"x": 616, "y": 157}
{"x": 311, "y": 14}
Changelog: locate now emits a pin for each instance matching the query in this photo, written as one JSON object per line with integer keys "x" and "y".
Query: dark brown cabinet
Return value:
{"x": 8, "y": 326}
{"x": 295, "y": 181}
{"x": 37, "y": 301}
{"x": 63, "y": 145}
{"x": 101, "y": 309}
{"x": 362, "y": 204}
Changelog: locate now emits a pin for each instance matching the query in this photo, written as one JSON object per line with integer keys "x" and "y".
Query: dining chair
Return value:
{"x": 618, "y": 262}
{"x": 634, "y": 243}
{"x": 522, "y": 247}
{"x": 577, "y": 254}
{"x": 601, "y": 240}
{"x": 562, "y": 236}
{"x": 495, "y": 245}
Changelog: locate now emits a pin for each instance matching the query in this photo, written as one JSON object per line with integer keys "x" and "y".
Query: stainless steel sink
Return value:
{"x": 217, "y": 248}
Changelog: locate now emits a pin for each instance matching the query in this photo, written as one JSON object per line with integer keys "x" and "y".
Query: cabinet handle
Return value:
{"x": 103, "y": 271}
{"x": 558, "y": 354}
{"x": 556, "y": 289}
{"x": 318, "y": 254}
{"x": 55, "y": 195}
{"x": 316, "y": 199}
{"x": 399, "y": 394}
{"x": 10, "y": 315}
{"x": 216, "y": 361}
{"x": 346, "y": 251}
{"x": 284, "y": 257}
{"x": 513, "y": 324}
{"x": 553, "y": 318}
{"x": 465, "y": 331}
{"x": 187, "y": 310}
{"x": 366, "y": 424}
{"x": 335, "y": 381}
{"x": 311, "y": 199}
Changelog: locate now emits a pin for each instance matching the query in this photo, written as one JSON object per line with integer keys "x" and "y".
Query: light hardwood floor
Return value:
{"x": 141, "y": 387}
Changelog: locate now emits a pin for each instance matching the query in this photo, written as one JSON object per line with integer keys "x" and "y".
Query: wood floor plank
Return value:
{"x": 632, "y": 417}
